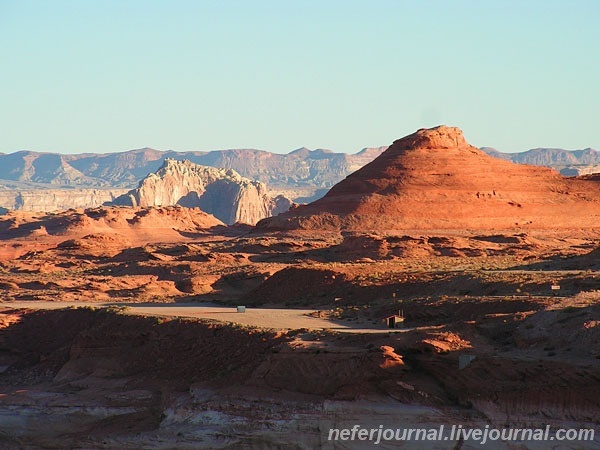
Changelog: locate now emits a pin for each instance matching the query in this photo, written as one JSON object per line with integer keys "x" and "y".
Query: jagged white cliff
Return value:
{"x": 221, "y": 192}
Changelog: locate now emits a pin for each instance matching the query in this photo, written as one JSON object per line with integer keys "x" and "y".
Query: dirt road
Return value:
{"x": 257, "y": 317}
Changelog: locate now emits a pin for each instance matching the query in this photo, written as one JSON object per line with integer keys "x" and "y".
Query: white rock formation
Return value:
{"x": 221, "y": 192}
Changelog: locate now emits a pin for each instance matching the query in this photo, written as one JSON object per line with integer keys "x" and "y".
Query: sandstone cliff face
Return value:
{"x": 56, "y": 199}
{"x": 433, "y": 179}
{"x": 221, "y": 192}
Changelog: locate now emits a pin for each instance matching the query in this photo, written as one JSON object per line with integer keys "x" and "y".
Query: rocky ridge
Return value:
{"x": 319, "y": 168}
{"x": 303, "y": 175}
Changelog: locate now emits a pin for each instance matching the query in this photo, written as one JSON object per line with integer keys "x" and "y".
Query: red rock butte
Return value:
{"x": 434, "y": 180}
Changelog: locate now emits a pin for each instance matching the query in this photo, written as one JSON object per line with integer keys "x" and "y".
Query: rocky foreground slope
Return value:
{"x": 433, "y": 179}
{"x": 81, "y": 378}
{"x": 221, "y": 192}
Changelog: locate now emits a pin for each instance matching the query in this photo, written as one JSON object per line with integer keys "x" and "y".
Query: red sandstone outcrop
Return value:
{"x": 221, "y": 192}
{"x": 433, "y": 179}
{"x": 126, "y": 224}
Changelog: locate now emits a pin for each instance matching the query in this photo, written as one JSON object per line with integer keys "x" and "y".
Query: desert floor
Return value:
{"x": 116, "y": 333}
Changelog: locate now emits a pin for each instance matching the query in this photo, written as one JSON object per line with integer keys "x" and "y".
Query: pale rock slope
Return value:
{"x": 56, "y": 199}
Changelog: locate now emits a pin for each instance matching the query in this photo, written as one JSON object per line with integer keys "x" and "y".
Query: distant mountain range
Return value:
{"x": 303, "y": 167}
{"x": 303, "y": 175}
{"x": 567, "y": 162}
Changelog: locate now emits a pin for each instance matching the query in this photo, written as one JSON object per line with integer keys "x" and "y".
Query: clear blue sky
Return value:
{"x": 111, "y": 75}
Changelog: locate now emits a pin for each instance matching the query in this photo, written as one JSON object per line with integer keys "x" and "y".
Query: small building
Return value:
{"x": 241, "y": 309}
{"x": 465, "y": 360}
{"x": 394, "y": 321}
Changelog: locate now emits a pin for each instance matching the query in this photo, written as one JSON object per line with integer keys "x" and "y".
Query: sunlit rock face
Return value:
{"x": 433, "y": 179}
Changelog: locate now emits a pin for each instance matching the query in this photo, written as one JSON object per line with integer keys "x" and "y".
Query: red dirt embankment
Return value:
{"x": 176, "y": 353}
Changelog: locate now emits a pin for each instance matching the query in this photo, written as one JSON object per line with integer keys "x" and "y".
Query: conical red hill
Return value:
{"x": 434, "y": 180}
